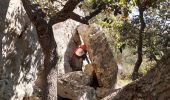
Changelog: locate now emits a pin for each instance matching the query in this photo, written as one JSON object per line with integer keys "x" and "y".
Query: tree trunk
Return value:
{"x": 45, "y": 33}
{"x": 46, "y": 40}
{"x": 140, "y": 43}
{"x": 155, "y": 85}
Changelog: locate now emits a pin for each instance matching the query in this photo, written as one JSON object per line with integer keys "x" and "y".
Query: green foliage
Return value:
{"x": 121, "y": 30}
{"x": 146, "y": 66}
{"x": 48, "y": 7}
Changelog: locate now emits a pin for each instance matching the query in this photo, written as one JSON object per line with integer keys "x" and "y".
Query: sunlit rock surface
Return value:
{"x": 76, "y": 86}
{"x": 101, "y": 56}
{"x": 21, "y": 53}
{"x": 67, "y": 39}
{"x": 22, "y": 56}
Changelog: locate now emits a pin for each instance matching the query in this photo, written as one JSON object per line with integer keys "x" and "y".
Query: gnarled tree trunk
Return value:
{"x": 46, "y": 40}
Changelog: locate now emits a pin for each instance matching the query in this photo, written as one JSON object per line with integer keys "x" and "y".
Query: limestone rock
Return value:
{"x": 101, "y": 55}
{"x": 75, "y": 86}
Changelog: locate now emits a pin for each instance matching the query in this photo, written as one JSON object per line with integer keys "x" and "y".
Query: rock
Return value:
{"x": 102, "y": 92}
{"x": 67, "y": 39}
{"x": 22, "y": 55}
{"x": 75, "y": 86}
{"x": 105, "y": 93}
{"x": 31, "y": 98}
{"x": 78, "y": 76}
{"x": 110, "y": 96}
{"x": 101, "y": 56}
{"x": 90, "y": 69}
{"x": 155, "y": 85}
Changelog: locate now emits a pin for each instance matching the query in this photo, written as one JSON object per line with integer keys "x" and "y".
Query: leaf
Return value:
{"x": 122, "y": 2}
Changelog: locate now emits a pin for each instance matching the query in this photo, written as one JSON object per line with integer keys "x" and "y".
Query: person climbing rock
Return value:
{"x": 79, "y": 54}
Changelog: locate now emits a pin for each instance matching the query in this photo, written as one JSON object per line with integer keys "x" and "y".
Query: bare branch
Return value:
{"x": 67, "y": 12}
{"x": 78, "y": 18}
{"x": 96, "y": 12}
{"x": 58, "y": 17}
{"x": 33, "y": 11}
{"x": 71, "y": 5}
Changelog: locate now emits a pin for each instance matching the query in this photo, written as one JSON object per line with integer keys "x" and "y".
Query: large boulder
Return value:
{"x": 76, "y": 86}
{"x": 21, "y": 67}
{"x": 155, "y": 85}
{"x": 101, "y": 56}
{"x": 66, "y": 39}
{"x": 22, "y": 56}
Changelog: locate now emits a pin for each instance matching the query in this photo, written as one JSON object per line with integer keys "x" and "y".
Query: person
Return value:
{"x": 79, "y": 54}
{"x": 80, "y": 51}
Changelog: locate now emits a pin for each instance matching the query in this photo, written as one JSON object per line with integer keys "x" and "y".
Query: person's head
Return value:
{"x": 83, "y": 47}
{"x": 80, "y": 51}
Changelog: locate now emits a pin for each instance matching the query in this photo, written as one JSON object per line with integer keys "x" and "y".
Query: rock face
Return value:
{"x": 99, "y": 74}
{"x": 66, "y": 39}
{"x": 76, "y": 86}
{"x": 22, "y": 56}
{"x": 155, "y": 85}
{"x": 101, "y": 56}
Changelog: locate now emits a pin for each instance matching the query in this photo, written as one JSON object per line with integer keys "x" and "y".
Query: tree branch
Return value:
{"x": 33, "y": 11}
{"x": 96, "y": 12}
{"x": 45, "y": 37}
{"x": 71, "y": 5}
{"x": 67, "y": 12}
{"x": 78, "y": 18}
{"x": 58, "y": 17}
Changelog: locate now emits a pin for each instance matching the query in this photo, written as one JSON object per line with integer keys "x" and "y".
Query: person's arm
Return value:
{"x": 86, "y": 58}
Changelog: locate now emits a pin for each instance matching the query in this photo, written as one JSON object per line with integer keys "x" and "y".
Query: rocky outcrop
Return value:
{"x": 22, "y": 57}
{"x": 21, "y": 53}
{"x": 102, "y": 64}
{"x": 155, "y": 85}
{"x": 110, "y": 96}
{"x": 98, "y": 77}
{"x": 66, "y": 39}
{"x": 76, "y": 86}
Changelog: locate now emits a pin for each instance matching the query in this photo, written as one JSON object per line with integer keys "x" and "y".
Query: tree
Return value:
{"x": 140, "y": 41}
{"x": 43, "y": 24}
{"x": 45, "y": 32}
{"x": 144, "y": 6}
{"x": 44, "y": 21}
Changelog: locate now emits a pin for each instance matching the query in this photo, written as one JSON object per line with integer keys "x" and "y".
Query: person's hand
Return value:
{"x": 79, "y": 52}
